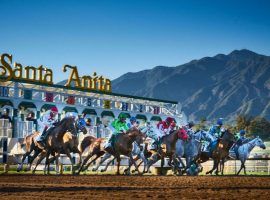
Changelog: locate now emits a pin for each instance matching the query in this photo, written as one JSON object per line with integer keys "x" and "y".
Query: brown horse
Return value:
{"x": 30, "y": 146}
{"x": 122, "y": 146}
{"x": 167, "y": 148}
{"x": 60, "y": 139}
{"x": 94, "y": 146}
{"x": 220, "y": 153}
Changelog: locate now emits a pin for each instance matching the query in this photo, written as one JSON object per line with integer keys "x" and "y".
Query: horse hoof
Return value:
{"x": 103, "y": 170}
{"x": 94, "y": 170}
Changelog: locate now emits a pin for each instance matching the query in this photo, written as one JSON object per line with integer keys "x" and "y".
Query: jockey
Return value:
{"x": 133, "y": 123}
{"x": 118, "y": 126}
{"x": 189, "y": 129}
{"x": 240, "y": 141}
{"x": 165, "y": 127}
{"x": 48, "y": 120}
{"x": 216, "y": 130}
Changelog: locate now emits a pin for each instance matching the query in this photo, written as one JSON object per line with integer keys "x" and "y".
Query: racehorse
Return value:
{"x": 138, "y": 151}
{"x": 122, "y": 146}
{"x": 191, "y": 148}
{"x": 95, "y": 148}
{"x": 60, "y": 139}
{"x": 167, "y": 148}
{"x": 220, "y": 152}
{"x": 244, "y": 152}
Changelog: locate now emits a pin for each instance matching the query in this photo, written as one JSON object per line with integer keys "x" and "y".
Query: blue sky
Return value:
{"x": 114, "y": 37}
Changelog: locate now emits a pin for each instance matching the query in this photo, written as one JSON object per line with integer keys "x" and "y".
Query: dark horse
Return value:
{"x": 62, "y": 138}
{"x": 220, "y": 152}
{"x": 122, "y": 146}
{"x": 167, "y": 148}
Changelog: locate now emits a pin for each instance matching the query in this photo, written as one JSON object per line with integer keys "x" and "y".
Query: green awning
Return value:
{"x": 27, "y": 104}
{"x": 47, "y": 106}
{"x": 155, "y": 118}
{"x": 5, "y": 102}
{"x": 143, "y": 117}
{"x": 70, "y": 109}
{"x": 107, "y": 113}
{"x": 89, "y": 111}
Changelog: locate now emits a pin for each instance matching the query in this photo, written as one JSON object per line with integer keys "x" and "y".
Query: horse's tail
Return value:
{"x": 87, "y": 141}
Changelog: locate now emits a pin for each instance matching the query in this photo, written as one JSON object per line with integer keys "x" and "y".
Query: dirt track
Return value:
{"x": 123, "y": 187}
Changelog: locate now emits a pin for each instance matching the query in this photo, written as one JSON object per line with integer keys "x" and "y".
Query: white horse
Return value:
{"x": 192, "y": 148}
{"x": 244, "y": 151}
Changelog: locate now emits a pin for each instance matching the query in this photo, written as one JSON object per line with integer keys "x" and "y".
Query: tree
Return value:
{"x": 201, "y": 125}
{"x": 243, "y": 122}
{"x": 259, "y": 126}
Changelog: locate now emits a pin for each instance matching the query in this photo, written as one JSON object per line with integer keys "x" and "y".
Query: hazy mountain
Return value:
{"x": 211, "y": 87}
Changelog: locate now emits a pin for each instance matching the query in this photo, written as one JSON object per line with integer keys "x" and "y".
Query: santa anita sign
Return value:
{"x": 44, "y": 75}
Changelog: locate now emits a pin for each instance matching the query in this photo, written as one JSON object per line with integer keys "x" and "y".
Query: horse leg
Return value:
{"x": 181, "y": 169}
{"x": 76, "y": 150}
{"x": 217, "y": 167}
{"x": 56, "y": 157}
{"x": 20, "y": 166}
{"x": 222, "y": 166}
{"x": 242, "y": 166}
{"x": 162, "y": 165}
{"x": 67, "y": 151}
{"x": 107, "y": 165}
{"x": 154, "y": 158}
{"x": 84, "y": 162}
{"x": 118, "y": 165}
{"x": 127, "y": 170}
{"x": 134, "y": 162}
{"x": 214, "y": 166}
{"x": 41, "y": 157}
{"x": 144, "y": 162}
{"x": 106, "y": 156}
{"x": 47, "y": 163}
{"x": 93, "y": 160}
{"x": 244, "y": 169}
{"x": 33, "y": 158}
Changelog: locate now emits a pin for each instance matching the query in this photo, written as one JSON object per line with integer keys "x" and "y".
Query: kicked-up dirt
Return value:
{"x": 133, "y": 187}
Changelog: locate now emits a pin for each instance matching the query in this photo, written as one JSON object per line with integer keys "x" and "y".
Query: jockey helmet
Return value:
{"x": 190, "y": 124}
{"x": 169, "y": 120}
{"x": 54, "y": 109}
{"x": 242, "y": 132}
{"x": 122, "y": 116}
{"x": 133, "y": 119}
{"x": 219, "y": 122}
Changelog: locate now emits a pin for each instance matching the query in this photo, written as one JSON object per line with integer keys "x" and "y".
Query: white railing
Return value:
{"x": 25, "y": 128}
{"x": 5, "y": 128}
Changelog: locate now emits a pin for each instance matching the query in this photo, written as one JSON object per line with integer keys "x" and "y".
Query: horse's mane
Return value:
{"x": 65, "y": 119}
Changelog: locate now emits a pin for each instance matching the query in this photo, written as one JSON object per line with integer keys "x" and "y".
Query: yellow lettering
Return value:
{"x": 5, "y": 69}
{"x": 108, "y": 85}
{"x": 74, "y": 76}
{"x": 17, "y": 73}
{"x": 30, "y": 73}
{"x": 48, "y": 77}
{"x": 87, "y": 82}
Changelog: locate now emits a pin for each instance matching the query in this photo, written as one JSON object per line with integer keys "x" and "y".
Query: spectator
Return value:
{"x": 5, "y": 115}
{"x": 88, "y": 122}
{"x": 31, "y": 117}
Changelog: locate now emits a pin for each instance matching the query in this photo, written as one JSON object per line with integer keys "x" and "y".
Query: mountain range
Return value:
{"x": 211, "y": 87}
